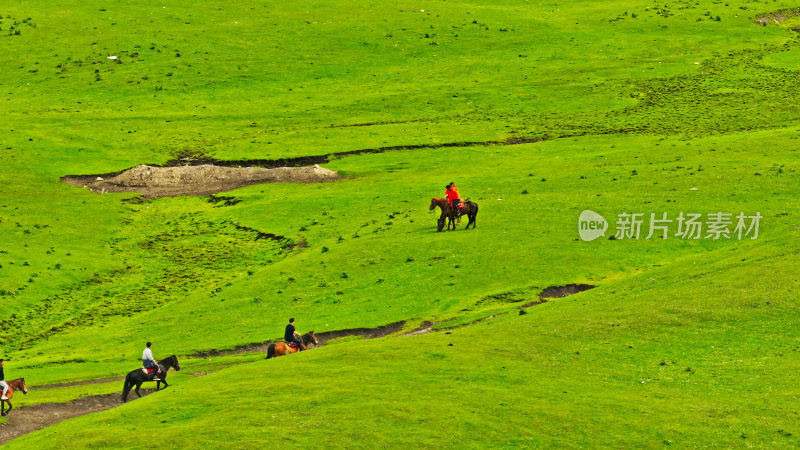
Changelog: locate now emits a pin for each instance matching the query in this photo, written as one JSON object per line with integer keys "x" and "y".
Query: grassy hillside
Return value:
{"x": 537, "y": 112}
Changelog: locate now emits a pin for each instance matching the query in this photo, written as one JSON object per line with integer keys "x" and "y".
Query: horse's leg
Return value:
{"x": 137, "y": 389}
{"x": 2, "y": 407}
{"x": 158, "y": 385}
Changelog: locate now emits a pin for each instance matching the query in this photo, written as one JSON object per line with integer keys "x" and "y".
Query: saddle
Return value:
{"x": 148, "y": 371}
{"x": 291, "y": 345}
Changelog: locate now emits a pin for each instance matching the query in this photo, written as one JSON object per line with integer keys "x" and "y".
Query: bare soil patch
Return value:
{"x": 776, "y": 17}
{"x": 563, "y": 291}
{"x": 206, "y": 179}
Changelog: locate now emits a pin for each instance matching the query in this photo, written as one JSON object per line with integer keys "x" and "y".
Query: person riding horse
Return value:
{"x": 291, "y": 337}
{"x": 149, "y": 363}
{"x": 451, "y": 193}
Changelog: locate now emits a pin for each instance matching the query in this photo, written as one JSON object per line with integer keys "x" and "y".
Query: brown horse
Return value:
{"x": 282, "y": 348}
{"x": 13, "y": 385}
{"x": 448, "y": 212}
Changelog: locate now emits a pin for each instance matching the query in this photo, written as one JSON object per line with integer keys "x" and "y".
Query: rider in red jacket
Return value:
{"x": 451, "y": 193}
{"x": 453, "y": 198}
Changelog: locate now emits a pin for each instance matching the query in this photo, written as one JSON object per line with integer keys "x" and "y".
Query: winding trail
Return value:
{"x": 32, "y": 418}
{"x": 27, "y": 419}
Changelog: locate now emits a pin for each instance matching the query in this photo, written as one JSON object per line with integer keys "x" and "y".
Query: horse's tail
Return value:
{"x": 271, "y": 351}
{"x": 126, "y": 388}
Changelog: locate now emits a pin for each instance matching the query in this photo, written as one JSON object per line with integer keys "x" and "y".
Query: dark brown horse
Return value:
{"x": 282, "y": 348}
{"x": 13, "y": 385}
{"x": 137, "y": 377}
{"x": 451, "y": 214}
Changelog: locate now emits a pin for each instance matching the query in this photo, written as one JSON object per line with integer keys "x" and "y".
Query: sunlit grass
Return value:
{"x": 537, "y": 112}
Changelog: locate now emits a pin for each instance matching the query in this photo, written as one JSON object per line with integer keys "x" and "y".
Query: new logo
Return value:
{"x": 591, "y": 225}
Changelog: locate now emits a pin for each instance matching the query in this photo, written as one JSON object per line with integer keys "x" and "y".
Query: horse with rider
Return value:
{"x": 453, "y": 208}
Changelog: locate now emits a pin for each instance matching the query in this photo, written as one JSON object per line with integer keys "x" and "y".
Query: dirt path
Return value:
{"x": 322, "y": 337}
{"x": 80, "y": 383}
{"x": 35, "y": 417}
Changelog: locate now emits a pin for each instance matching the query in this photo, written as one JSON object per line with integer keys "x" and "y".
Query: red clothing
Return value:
{"x": 452, "y": 194}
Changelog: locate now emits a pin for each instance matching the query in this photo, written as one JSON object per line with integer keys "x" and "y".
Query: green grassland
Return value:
{"x": 537, "y": 112}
